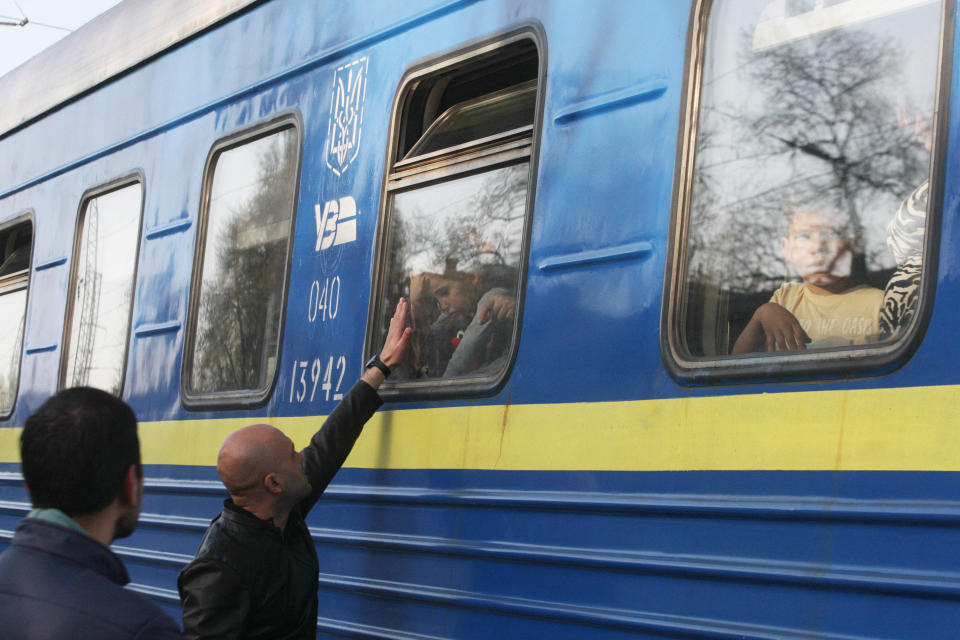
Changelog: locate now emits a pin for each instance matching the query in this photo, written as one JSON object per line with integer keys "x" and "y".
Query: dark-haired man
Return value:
{"x": 255, "y": 574}
{"x": 59, "y": 580}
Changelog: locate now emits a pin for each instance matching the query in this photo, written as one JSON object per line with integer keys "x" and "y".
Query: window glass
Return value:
{"x": 15, "y": 247}
{"x": 243, "y": 267}
{"x": 105, "y": 268}
{"x": 455, "y": 230}
{"x": 12, "y": 312}
{"x": 479, "y": 119}
{"x": 455, "y": 253}
{"x": 809, "y": 189}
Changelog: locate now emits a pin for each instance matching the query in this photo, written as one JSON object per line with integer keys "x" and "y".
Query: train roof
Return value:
{"x": 109, "y": 45}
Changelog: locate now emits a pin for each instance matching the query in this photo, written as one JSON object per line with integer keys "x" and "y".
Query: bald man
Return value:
{"x": 255, "y": 574}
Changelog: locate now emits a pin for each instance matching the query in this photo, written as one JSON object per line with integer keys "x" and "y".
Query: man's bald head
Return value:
{"x": 249, "y": 454}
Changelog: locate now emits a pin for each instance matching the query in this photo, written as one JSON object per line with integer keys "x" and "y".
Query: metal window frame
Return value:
{"x": 489, "y": 153}
{"x": 122, "y": 182}
{"x": 18, "y": 282}
{"x": 240, "y": 398}
{"x": 820, "y": 364}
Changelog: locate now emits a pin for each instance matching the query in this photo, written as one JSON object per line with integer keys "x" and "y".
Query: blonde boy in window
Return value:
{"x": 828, "y": 308}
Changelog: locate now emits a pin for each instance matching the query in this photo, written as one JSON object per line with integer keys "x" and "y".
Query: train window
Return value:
{"x": 16, "y": 243}
{"x": 104, "y": 269}
{"x": 802, "y": 229}
{"x": 455, "y": 215}
{"x": 241, "y": 267}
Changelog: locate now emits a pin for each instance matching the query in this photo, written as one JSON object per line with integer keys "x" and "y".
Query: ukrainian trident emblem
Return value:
{"x": 346, "y": 114}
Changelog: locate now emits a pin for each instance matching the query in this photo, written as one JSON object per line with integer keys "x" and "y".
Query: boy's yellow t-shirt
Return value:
{"x": 847, "y": 318}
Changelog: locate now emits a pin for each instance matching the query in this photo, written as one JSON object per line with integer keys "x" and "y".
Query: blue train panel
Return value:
{"x": 612, "y": 195}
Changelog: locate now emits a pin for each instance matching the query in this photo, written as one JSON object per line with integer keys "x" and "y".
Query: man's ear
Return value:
{"x": 272, "y": 484}
{"x": 131, "y": 492}
{"x": 784, "y": 247}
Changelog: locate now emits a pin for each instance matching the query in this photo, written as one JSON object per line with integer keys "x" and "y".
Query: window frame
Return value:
{"x": 245, "y": 398}
{"x": 826, "y": 363}
{"x": 25, "y": 217}
{"x": 507, "y": 148}
{"x": 127, "y": 180}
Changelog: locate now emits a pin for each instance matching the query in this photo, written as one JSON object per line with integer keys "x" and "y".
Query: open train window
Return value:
{"x": 102, "y": 284}
{"x": 801, "y": 235}
{"x": 240, "y": 270}
{"x": 456, "y": 213}
{"x": 16, "y": 246}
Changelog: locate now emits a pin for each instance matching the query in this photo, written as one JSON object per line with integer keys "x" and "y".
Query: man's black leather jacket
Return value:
{"x": 251, "y": 580}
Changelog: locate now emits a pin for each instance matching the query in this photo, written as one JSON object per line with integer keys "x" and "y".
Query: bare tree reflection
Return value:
{"x": 466, "y": 229}
{"x": 828, "y": 99}
{"x": 240, "y": 309}
{"x": 818, "y": 118}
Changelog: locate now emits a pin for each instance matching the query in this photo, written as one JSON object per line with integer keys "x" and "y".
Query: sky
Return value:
{"x": 47, "y": 22}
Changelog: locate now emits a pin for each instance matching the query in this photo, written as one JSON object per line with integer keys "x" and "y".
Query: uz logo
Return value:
{"x": 336, "y": 222}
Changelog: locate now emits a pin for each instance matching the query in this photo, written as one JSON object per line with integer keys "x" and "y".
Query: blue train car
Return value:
{"x": 682, "y": 279}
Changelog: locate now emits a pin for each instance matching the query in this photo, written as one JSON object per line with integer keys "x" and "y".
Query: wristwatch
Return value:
{"x": 375, "y": 361}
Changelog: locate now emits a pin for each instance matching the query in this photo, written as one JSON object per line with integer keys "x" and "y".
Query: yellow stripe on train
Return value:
{"x": 876, "y": 429}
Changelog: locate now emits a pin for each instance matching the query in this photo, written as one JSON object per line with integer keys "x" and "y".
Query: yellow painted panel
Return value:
{"x": 876, "y": 429}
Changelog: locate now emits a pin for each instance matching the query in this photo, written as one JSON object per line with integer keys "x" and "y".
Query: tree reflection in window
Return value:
{"x": 246, "y": 238}
{"x": 455, "y": 253}
{"x": 456, "y": 212}
{"x": 803, "y": 103}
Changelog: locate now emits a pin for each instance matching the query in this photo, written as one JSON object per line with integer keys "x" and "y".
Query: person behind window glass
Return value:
{"x": 828, "y": 308}
{"x": 471, "y": 334}
{"x": 905, "y": 239}
{"x": 905, "y": 235}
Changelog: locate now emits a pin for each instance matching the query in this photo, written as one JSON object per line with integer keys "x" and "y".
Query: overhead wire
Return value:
{"x": 18, "y": 22}
{"x": 24, "y": 21}
{"x": 51, "y": 26}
